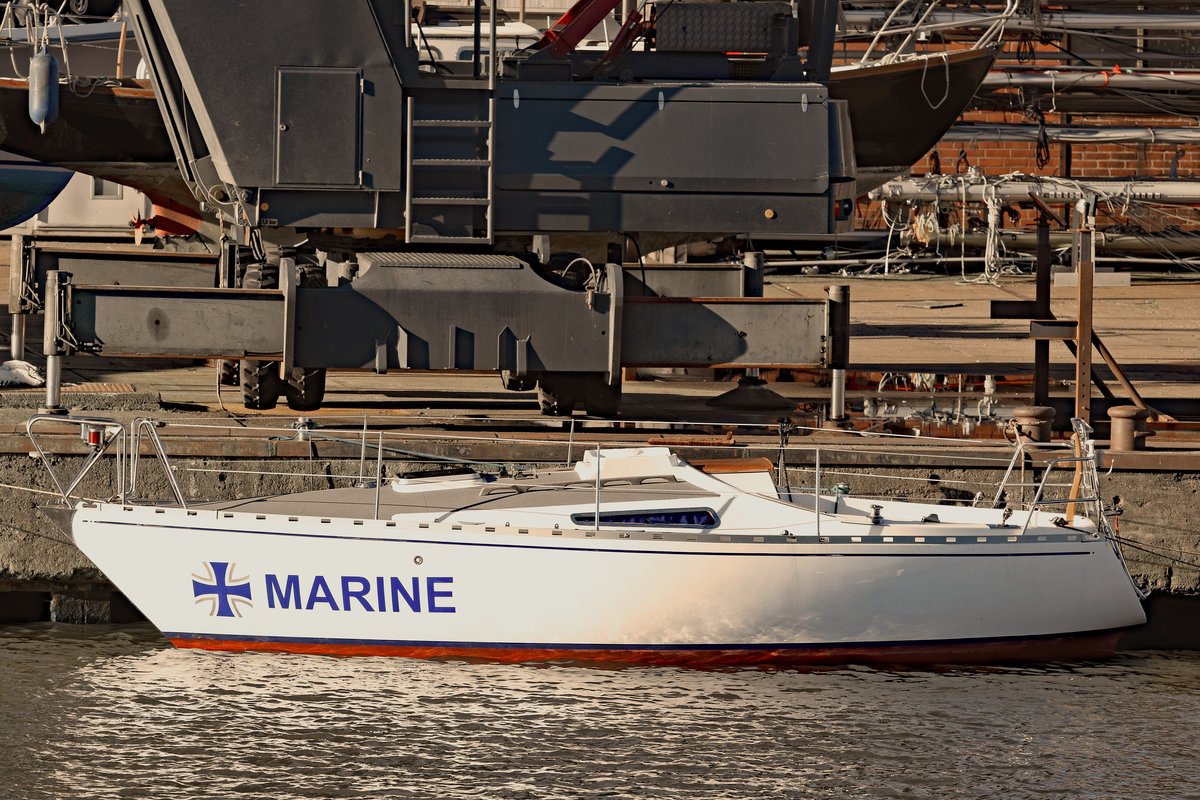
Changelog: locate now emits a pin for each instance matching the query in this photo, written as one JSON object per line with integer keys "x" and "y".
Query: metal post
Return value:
{"x": 752, "y": 278}
{"x": 752, "y": 286}
{"x": 50, "y": 345}
{"x": 17, "y": 342}
{"x": 820, "y": 48}
{"x": 53, "y": 386}
{"x": 378, "y": 472}
{"x": 817, "y": 489}
{"x": 838, "y": 348}
{"x": 596, "y": 521}
{"x": 1041, "y": 302}
{"x": 362, "y": 452}
{"x": 478, "y": 39}
{"x": 837, "y": 395}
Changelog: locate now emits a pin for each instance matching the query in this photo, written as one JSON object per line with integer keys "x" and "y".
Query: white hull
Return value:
{"x": 901, "y": 592}
{"x": 631, "y": 556}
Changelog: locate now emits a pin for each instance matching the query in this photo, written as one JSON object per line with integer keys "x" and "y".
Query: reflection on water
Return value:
{"x": 107, "y": 712}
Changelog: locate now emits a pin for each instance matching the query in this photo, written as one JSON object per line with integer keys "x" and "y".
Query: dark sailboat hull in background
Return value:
{"x": 113, "y": 132}
{"x": 26, "y": 188}
{"x": 899, "y": 111}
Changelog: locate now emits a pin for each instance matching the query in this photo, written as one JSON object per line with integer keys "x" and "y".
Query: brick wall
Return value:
{"x": 1086, "y": 160}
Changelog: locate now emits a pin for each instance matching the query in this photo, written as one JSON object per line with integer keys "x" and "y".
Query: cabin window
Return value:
{"x": 657, "y": 517}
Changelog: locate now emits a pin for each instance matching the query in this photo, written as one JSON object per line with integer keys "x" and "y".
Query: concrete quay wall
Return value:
{"x": 43, "y": 576}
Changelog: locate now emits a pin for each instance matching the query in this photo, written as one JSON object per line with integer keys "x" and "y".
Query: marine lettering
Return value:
{"x": 413, "y": 599}
{"x": 320, "y": 594}
{"x": 433, "y": 594}
{"x": 287, "y": 596}
{"x": 363, "y": 586}
{"x": 357, "y": 593}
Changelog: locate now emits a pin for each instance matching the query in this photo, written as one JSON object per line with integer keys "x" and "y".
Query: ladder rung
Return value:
{"x": 452, "y": 162}
{"x": 451, "y": 123}
{"x": 451, "y": 201}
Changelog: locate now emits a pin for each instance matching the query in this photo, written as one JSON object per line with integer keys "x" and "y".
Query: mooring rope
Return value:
{"x": 28, "y": 489}
{"x": 1161, "y": 552}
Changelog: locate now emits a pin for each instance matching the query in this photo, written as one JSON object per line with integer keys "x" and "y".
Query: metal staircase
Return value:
{"x": 451, "y": 176}
{"x": 451, "y": 136}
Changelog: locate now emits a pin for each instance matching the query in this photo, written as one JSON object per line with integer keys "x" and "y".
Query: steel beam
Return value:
{"x": 379, "y": 325}
{"x": 161, "y": 321}
{"x": 97, "y": 263}
{"x": 1052, "y": 329}
{"x": 723, "y": 332}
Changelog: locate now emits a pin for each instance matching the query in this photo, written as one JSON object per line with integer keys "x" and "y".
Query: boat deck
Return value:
{"x": 359, "y": 502}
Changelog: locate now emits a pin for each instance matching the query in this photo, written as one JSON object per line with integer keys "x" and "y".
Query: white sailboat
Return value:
{"x": 631, "y": 556}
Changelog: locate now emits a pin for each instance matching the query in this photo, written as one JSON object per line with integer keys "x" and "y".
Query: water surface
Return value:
{"x": 114, "y": 711}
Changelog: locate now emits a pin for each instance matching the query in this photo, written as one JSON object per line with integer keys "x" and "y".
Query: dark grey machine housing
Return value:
{"x": 310, "y": 114}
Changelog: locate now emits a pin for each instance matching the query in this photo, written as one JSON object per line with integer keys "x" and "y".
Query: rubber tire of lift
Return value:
{"x": 305, "y": 388}
{"x": 554, "y": 404}
{"x": 227, "y": 372}
{"x": 517, "y": 383}
{"x": 560, "y": 392}
{"x": 600, "y": 398}
{"x": 261, "y": 384}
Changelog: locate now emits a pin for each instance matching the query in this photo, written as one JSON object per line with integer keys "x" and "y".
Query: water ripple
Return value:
{"x": 113, "y": 712}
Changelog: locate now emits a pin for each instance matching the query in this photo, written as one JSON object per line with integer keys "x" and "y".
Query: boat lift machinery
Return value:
{"x": 381, "y": 211}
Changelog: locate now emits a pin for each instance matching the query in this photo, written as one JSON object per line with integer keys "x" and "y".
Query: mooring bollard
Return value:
{"x": 1128, "y": 428}
{"x": 1033, "y": 422}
